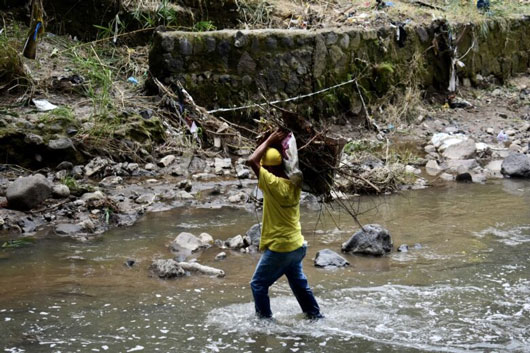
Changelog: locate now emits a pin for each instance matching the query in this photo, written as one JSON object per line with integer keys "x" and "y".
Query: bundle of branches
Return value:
{"x": 183, "y": 112}
{"x": 358, "y": 180}
{"x": 318, "y": 152}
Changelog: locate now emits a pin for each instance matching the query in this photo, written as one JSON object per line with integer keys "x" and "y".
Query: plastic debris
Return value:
{"x": 43, "y": 105}
{"x": 502, "y": 136}
{"x": 132, "y": 80}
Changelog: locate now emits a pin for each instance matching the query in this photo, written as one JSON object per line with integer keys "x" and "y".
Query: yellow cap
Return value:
{"x": 272, "y": 157}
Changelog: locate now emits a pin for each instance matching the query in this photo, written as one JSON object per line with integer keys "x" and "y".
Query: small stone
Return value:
{"x": 67, "y": 229}
{"x": 430, "y": 149}
{"x": 130, "y": 263}
{"x": 166, "y": 161}
{"x": 236, "y": 198}
{"x": 146, "y": 199}
{"x": 220, "y": 256}
{"x": 60, "y": 191}
{"x": 403, "y": 248}
{"x": 464, "y": 178}
{"x": 206, "y": 238}
{"x": 62, "y": 143}
{"x": 95, "y": 166}
{"x": 65, "y": 166}
{"x": 149, "y": 166}
{"x": 446, "y": 176}
{"x": 432, "y": 168}
{"x": 236, "y": 242}
{"x": 329, "y": 258}
{"x": 33, "y": 139}
{"x": 132, "y": 167}
{"x": 222, "y": 163}
{"x": 511, "y": 132}
{"x": 111, "y": 181}
{"x": 87, "y": 225}
{"x": 490, "y": 130}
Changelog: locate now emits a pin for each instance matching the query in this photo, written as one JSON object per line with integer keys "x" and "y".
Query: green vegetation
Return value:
{"x": 165, "y": 14}
{"x": 99, "y": 77}
{"x": 12, "y": 72}
{"x": 18, "y": 243}
{"x": 204, "y": 26}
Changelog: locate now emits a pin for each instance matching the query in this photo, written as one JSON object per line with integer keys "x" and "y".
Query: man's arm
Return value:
{"x": 254, "y": 160}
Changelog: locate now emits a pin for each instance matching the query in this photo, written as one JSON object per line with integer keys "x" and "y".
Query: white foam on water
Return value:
{"x": 396, "y": 315}
{"x": 512, "y": 236}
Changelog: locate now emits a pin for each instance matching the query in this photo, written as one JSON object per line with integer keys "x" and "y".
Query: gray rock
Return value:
{"x": 432, "y": 168}
{"x": 68, "y": 229}
{"x": 222, "y": 163}
{"x": 206, "y": 238}
{"x": 62, "y": 143}
{"x": 78, "y": 171}
{"x": 146, "y": 199}
{"x": 167, "y": 269}
{"x": 242, "y": 172}
{"x": 515, "y": 165}
{"x": 166, "y": 161}
{"x": 236, "y": 242}
{"x": 329, "y": 258}
{"x": 446, "y": 177}
{"x": 96, "y": 165}
{"x": 111, "y": 181}
{"x": 65, "y": 166}
{"x": 61, "y": 174}
{"x": 464, "y": 149}
{"x": 26, "y": 193}
{"x": 254, "y": 233}
{"x": 373, "y": 240}
{"x": 92, "y": 196}
{"x": 493, "y": 169}
{"x": 60, "y": 191}
{"x": 33, "y": 139}
{"x": 460, "y": 165}
{"x": 188, "y": 243}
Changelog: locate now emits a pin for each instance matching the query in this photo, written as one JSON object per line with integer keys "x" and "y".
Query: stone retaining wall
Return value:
{"x": 230, "y": 68}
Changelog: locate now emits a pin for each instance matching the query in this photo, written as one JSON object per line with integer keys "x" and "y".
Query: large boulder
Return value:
{"x": 329, "y": 258}
{"x": 167, "y": 268}
{"x": 371, "y": 240}
{"x": 28, "y": 192}
{"x": 516, "y": 165}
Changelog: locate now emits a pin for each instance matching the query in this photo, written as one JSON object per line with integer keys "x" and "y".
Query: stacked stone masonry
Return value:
{"x": 231, "y": 68}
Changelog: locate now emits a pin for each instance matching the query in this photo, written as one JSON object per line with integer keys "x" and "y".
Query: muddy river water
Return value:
{"x": 466, "y": 287}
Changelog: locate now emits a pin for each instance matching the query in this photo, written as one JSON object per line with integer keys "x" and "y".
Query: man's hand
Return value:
{"x": 276, "y": 137}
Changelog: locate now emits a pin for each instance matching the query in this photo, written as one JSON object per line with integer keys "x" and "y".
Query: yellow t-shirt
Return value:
{"x": 281, "y": 230}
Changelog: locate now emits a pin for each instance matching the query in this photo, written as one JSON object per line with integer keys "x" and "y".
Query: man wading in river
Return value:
{"x": 281, "y": 240}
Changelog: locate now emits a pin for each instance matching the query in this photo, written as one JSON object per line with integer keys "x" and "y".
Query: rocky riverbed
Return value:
{"x": 486, "y": 137}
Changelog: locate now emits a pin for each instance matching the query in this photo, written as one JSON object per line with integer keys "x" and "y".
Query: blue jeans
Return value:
{"x": 271, "y": 267}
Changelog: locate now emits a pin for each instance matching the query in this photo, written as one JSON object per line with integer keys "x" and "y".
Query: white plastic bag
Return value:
{"x": 290, "y": 160}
